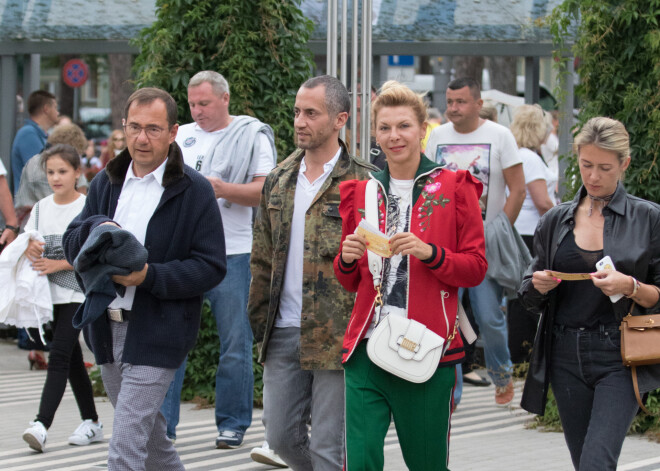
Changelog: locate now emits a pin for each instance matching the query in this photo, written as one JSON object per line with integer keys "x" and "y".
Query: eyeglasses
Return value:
{"x": 120, "y": 138}
{"x": 134, "y": 130}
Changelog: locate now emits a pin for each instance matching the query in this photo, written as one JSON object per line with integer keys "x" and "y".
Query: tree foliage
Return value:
{"x": 259, "y": 46}
{"x": 617, "y": 46}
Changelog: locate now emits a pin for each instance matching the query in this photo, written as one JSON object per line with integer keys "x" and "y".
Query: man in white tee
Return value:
{"x": 235, "y": 153}
{"x": 490, "y": 152}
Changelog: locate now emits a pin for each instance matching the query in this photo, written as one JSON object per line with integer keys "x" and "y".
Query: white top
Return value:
{"x": 54, "y": 219}
{"x": 138, "y": 200}
{"x": 237, "y": 219}
{"x": 550, "y": 153}
{"x": 291, "y": 296}
{"x": 535, "y": 169}
{"x": 3, "y": 170}
{"x": 485, "y": 151}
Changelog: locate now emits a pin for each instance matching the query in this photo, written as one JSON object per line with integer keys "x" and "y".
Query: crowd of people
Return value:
{"x": 321, "y": 257}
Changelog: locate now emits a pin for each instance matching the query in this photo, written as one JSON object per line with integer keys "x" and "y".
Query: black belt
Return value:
{"x": 119, "y": 315}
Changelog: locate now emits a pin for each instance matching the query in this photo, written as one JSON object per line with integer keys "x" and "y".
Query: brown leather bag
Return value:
{"x": 640, "y": 344}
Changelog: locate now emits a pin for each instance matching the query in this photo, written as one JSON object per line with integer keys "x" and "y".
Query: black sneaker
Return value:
{"x": 228, "y": 439}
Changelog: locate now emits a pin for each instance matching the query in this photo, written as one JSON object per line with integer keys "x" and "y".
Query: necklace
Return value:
{"x": 603, "y": 199}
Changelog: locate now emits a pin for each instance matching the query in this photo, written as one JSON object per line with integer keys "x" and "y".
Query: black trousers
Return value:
{"x": 66, "y": 362}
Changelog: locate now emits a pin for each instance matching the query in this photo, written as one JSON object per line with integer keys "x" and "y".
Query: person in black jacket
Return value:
{"x": 577, "y": 346}
{"x": 146, "y": 334}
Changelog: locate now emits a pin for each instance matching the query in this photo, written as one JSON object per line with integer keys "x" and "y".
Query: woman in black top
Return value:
{"x": 577, "y": 347}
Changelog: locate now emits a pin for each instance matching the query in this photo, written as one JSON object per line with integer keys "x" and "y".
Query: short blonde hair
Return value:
{"x": 607, "y": 134}
{"x": 488, "y": 112}
{"x": 69, "y": 134}
{"x": 393, "y": 93}
{"x": 529, "y": 126}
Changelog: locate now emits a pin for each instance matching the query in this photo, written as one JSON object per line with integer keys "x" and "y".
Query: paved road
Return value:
{"x": 483, "y": 437}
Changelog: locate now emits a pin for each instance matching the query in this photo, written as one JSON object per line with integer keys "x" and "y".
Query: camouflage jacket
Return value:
{"x": 326, "y": 305}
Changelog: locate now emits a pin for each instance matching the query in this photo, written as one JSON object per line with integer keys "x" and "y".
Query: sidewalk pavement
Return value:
{"x": 483, "y": 437}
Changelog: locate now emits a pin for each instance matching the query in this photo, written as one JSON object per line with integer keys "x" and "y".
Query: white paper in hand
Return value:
{"x": 378, "y": 242}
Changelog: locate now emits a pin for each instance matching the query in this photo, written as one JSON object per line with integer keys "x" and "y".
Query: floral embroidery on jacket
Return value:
{"x": 432, "y": 197}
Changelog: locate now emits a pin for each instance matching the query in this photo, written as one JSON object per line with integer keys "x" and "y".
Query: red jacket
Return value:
{"x": 447, "y": 216}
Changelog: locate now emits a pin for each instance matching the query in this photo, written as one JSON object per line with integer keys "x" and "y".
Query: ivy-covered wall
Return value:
{"x": 617, "y": 50}
{"x": 259, "y": 46}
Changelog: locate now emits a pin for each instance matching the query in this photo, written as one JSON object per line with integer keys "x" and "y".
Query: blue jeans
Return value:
{"x": 234, "y": 380}
{"x": 172, "y": 402}
{"x": 594, "y": 393}
{"x": 486, "y": 301}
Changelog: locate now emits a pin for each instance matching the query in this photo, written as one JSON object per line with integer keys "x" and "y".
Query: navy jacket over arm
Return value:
{"x": 186, "y": 246}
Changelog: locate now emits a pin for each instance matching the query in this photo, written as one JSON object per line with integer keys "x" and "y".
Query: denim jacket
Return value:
{"x": 631, "y": 237}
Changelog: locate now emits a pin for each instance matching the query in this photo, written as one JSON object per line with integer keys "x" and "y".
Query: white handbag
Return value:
{"x": 404, "y": 347}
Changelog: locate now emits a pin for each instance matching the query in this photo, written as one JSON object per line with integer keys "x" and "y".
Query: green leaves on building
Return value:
{"x": 259, "y": 46}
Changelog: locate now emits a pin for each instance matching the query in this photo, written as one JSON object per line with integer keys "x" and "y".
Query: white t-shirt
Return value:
{"x": 550, "y": 153}
{"x": 3, "y": 170}
{"x": 290, "y": 307}
{"x": 535, "y": 169}
{"x": 237, "y": 219}
{"x": 485, "y": 152}
{"x": 54, "y": 219}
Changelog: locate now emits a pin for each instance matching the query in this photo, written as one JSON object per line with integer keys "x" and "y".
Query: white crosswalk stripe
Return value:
{"x": 476, "y": 418}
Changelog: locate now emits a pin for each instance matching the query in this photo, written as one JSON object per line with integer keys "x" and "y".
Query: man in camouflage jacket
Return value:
{"x": 297, "y": 308}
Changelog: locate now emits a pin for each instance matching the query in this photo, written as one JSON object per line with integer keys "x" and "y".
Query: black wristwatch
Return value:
{"x": 12, "y": 228}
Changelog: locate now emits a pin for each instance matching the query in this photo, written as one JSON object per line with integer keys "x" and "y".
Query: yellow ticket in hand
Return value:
{"x": 569, "y": 276}
{"x": 378, "y": 242}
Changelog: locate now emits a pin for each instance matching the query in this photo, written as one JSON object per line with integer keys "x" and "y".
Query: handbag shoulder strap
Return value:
{"x": 371, "y": 215}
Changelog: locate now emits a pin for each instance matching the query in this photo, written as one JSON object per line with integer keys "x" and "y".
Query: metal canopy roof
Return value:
{"x": 416, "y": 27}
{"x": 72, "y": 26}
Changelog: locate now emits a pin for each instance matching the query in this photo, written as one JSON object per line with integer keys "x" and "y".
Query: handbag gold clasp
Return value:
{"x": 379, "y": 296}
{"x": 408, "y": 344}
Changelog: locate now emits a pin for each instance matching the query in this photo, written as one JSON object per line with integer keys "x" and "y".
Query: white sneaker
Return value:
{"x": 35, "y": 436}
{"x": 86, "y": 433}
{"x": 264, "y": 455}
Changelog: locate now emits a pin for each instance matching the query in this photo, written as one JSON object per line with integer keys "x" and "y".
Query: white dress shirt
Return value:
{"x": 291, "y": 297}
{"x": 138, "y": 200}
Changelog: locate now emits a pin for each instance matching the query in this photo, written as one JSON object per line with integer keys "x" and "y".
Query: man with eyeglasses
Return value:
{"x": 146, "y": 333}
{"x": 235, "y": 153}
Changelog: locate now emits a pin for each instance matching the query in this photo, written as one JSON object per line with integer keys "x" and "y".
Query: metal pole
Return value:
{"x": 343, "y": 54}
{"x": 368, "y": 81}
{"x": 565, "y": 122}
{"x": 331, "y": 60}
{"x": 365, "y": 89}
{"x": 335, "y": 5}
{"x": 328, "y": 43}
{"x": 354, "y": 77}
{"x": 8, "y": 89}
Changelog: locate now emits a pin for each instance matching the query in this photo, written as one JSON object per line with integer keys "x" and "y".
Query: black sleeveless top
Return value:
{"x": 580, "y": 303}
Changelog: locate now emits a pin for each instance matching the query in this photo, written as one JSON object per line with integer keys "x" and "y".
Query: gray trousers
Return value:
{"x": 139, "y": 439}
{"x": 291, "y": 396}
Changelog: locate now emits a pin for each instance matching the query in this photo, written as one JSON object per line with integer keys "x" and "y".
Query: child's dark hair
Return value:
{"x": 65, "y": 152}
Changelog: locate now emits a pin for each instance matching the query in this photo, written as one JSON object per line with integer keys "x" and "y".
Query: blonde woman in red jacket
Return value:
{"x": 433, "y": 219}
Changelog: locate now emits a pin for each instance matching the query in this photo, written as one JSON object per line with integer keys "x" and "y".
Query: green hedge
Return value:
{"x": 199, "y": 382}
